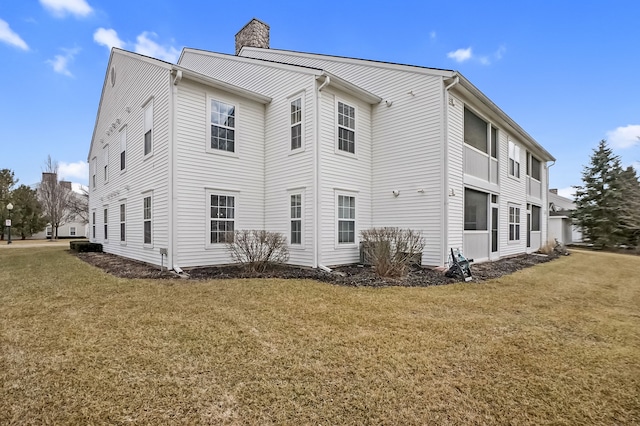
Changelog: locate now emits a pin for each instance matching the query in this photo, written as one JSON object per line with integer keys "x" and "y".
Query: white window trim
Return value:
{"x": 236, "y": 152}
{"x": 301, "y": 96}
{"x": 72, "y": 231}
{"x": 516, "y": 156}
{"x": 123, "y": 133}
{"x": 338, "y": 151}
{"x": 509, "y": 223}
{"x": 301, "y": 192}
{"x": 236, "y": 202}
{"x": 120, "y": 222}
{"x": 355, "y": 243}
{"x": 148, "y": 105}
{"x": 145, "y": 195}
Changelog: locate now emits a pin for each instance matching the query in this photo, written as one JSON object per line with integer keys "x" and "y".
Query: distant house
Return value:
{"x": 561, "y": 225}
{"x": 316, "y": 147}
{"x": 74, "y": 227}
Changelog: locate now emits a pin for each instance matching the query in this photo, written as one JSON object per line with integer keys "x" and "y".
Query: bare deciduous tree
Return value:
{"x": 55, "y": 197}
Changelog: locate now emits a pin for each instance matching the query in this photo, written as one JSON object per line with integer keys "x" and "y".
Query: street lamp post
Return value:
{"x": 9, "y": 208}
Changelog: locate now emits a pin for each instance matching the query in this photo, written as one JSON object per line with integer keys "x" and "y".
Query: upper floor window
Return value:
{"x": 223, "y": 124}
{"x": 94, "y": 166}
{"x": 346, "y": 219}
{"x": 514, "y": 159}
{"x": 494, "y": 142}
{"x": 148, "y": 129}
{"x": 534, "y": 167}
{"x": 475, "y": 131}
{"x": 346, "y": 128}
{"x": 106, "y": 163}
{"x": 123, "y": 148}
{"x": 296, "y": 124}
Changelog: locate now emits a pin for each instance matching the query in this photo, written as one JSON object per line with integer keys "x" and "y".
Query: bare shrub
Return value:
{"x": 392, "y": 250}
{"x": 547, "y": 248}
{"x": 256, "y": 249}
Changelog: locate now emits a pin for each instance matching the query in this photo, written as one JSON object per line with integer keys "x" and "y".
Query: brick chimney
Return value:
{"x": 254, "y": 34}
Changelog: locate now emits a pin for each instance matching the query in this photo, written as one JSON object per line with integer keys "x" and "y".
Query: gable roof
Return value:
{"x": 449, "y": 76}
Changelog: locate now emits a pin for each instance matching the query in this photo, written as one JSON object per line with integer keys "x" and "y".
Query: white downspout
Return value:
{"x": 445, "y": 227}
{"x": 317, "y": 258}
{"x": 173, "y": 231}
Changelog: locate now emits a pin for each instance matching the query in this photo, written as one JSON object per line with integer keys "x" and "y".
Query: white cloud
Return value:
{"x": 60, "y": 63}
{"x": 569, "y": 192}
{"x": 460, "y": 55}
{"x": 500, "y": 52}
{"x": 78, "y": 170}
{"x": 145, "y": 46}
{"x": 108, "y": 38}
{"x": 432, "y": 35}
{"x": 60, "y": 8}
{"x": 7, "y": 35}
{"x": 624, "y": 137}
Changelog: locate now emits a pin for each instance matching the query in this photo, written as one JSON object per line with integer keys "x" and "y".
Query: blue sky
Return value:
{"x": 566, "y": 71}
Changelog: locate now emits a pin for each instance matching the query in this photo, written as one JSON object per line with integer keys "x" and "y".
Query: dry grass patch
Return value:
{"x": 556, "y": 343}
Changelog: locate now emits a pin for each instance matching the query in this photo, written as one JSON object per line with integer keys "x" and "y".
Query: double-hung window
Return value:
{"x": 223, "y": 126}
{"x": 346, "y": 219}
{"x": 106, "y": 223}
{"x": 123, "y": 148}
{"x": 148, "y": 129}
{"x": 106, "y": 163}
{"x": 123, "y": 222}
{"x": 222, "y": 218}
{"x": 93, "y": 224}
{"x": 514, "y": 160}
{"x": 346, "y": 128}
{"x": 514, "y": 223}
{"x": 72, "y": 231}
{"x": 94, "y": 167}
{"x": 296, "y": 219}
{"x": 296, "y": 124}
{"x": 146, "y": 219}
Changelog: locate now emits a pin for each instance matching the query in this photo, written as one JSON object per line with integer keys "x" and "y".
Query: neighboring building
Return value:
{"x": 313, "y": 146}
{"x": 561, "y": 227}
{"x": 73, "y": 228}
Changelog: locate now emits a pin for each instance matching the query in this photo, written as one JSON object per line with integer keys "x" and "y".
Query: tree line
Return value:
{"x": 52, "y": 203}
{"x": 608, "y": 201}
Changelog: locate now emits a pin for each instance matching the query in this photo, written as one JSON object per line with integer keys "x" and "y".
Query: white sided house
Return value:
{"x": 315, "y": 147}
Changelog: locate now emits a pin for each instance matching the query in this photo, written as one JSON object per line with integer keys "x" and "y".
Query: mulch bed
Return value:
{"x": 351, "y": 275}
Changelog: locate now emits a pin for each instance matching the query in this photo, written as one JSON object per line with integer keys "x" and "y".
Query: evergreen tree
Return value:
{"x": 630, "y": 208}
{"x": 7, "y": 181}
{"x": 599, "y": 199}
{"x": 27, "y": 214}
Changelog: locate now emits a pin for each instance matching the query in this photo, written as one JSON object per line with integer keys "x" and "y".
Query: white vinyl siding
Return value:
{"x": 148, "y": 129}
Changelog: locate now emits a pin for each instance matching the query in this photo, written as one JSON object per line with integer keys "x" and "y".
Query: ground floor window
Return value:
{"x": 475, "y": 210}
{"x": 146, "y": 219}
{"x": 222, "y": 218}
{"x": 123, "y": 222}
{"x": 346, "y": 219}
{"x": 93, "y": 224}
{"x": 49, "y": 231}
{"x": 106, "y": 224}
{"x": 72, "y": 231}
{"x": 514, "y": 223}
{"x": 296, "y": 219}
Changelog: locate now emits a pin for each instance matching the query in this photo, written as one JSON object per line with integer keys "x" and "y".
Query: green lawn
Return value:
{"x": 557, "y": 343}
